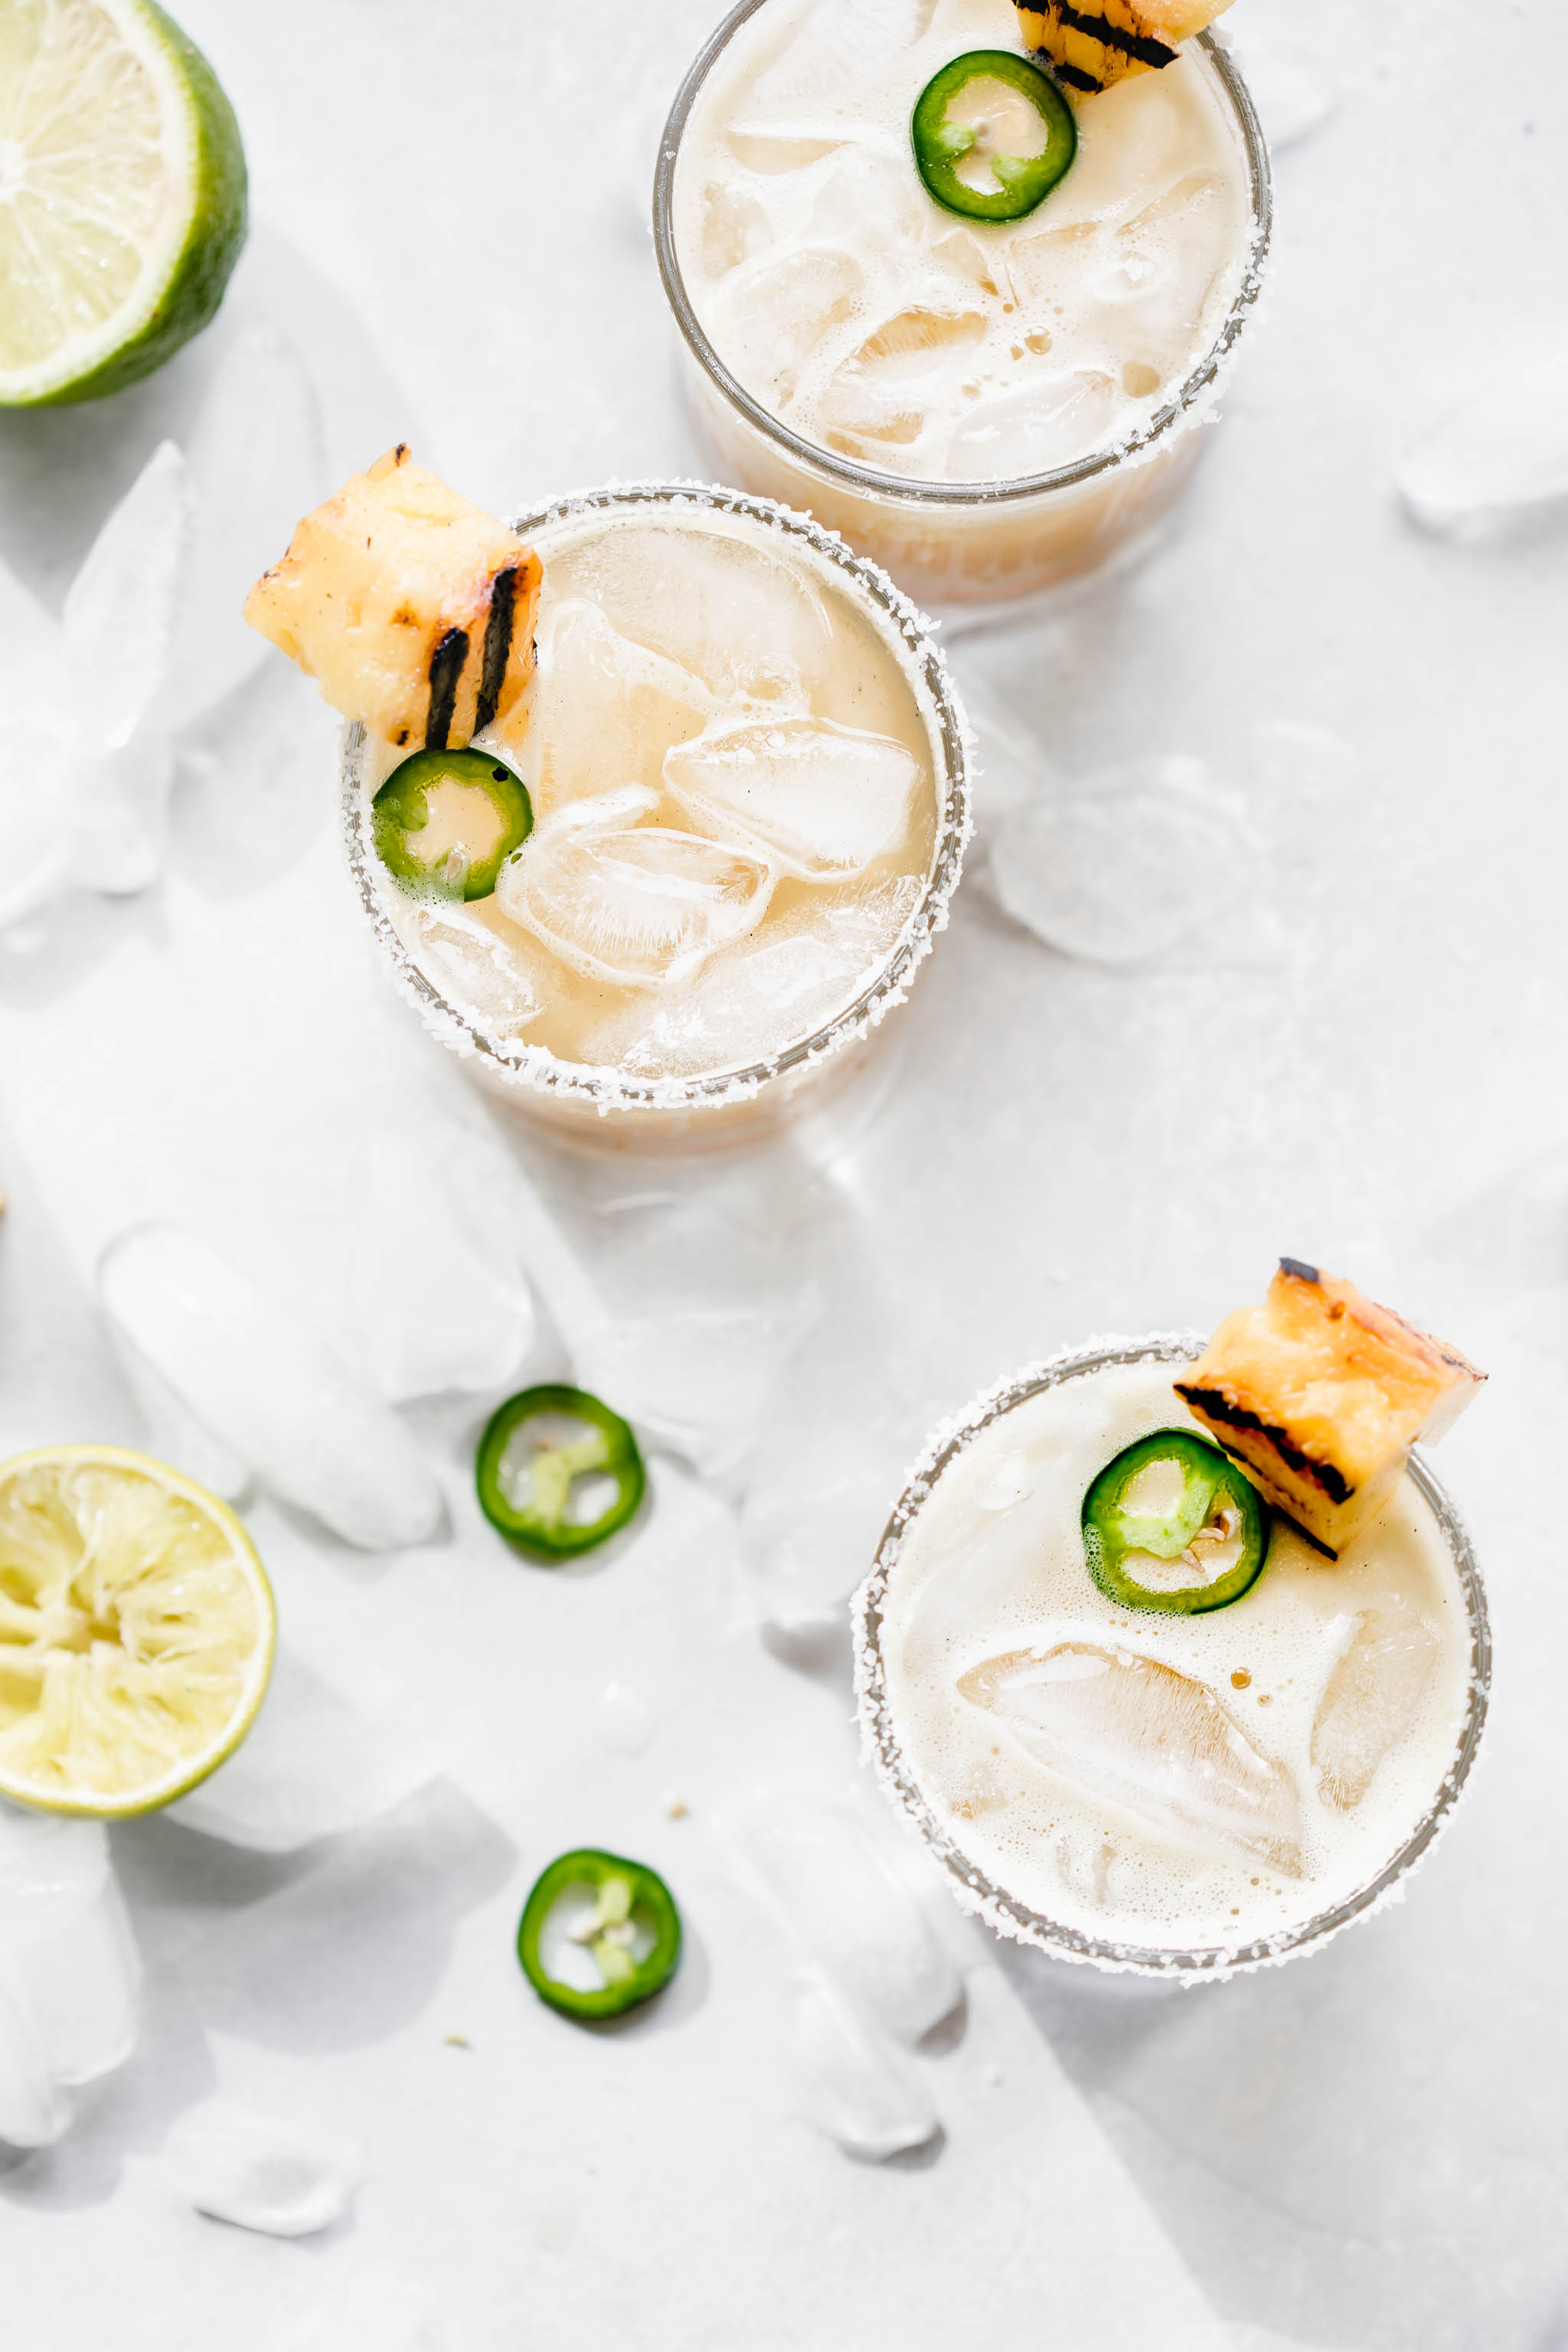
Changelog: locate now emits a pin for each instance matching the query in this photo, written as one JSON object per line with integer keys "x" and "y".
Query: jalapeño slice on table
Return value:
{"x": 1172, "y": 1524}
{"x": 992, "y": 135}
{"x": 558, "y": 1472}
{"x": 448, "y": 821}
{"x": 617, "y": 1917}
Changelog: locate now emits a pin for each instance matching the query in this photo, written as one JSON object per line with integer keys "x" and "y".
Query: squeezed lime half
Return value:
{"x": 137, "y": 1630}
{"x": 123, "y": 197}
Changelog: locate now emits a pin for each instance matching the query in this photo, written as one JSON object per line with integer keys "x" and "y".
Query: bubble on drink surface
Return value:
{"x": 844, "y": 1906}
{"x": 1372, "y": 1697}
{"x": 264, "y": 1381}
{"x": 1141, "y": 1736}
{"x": 605, "y": 707}
{"x": 852, "y": 2082}
{"x": 1127, "y": 864}
{"x": 261, "y": 2174}
{"x": 1499, "y": 459}
{"x": 69, "y": 1975}
{"x": 639, "y": 907}
{"x": 812, "y": 798}
{"x": 311, "y": 1766}
{"x": 728, "y": 611}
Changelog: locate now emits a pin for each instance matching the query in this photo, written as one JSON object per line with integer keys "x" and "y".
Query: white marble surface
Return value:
{"x": 1359, "y": 2154}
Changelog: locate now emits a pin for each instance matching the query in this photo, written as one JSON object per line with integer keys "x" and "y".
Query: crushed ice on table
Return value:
{"x": 269, "y": 1386}
{"x": 1012, "y": 763}
{"x": 69, "y": 1976}
{"x": 1372, "y": 1697}
{"x": 1128, "y": 864}
{"x": 622, "y": 1719}
{"x": 1292, "y": 93}
{"x": 635, "y": 906}
{"x": 844, "y": 1905}
{"x": 812, "y": 798}
{"x": 852, "y": 2082}
{"x": 1499, "y": 459}
{"x": 149, "y": 637}
{"x": 261, "y": 2174}
{"x": 1144, "y": 1736}
{"x": 311, "y": 1766}
{"x": 439, "y": 1301}
{"x": 814, "y": 1512}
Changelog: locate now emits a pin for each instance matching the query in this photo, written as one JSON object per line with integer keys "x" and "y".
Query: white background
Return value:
{"x": 1360, "y": 2153}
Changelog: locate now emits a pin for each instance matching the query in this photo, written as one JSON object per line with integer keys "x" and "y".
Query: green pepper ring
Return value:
{"x": 1026, "y": 181}
{"x": 400, "y": 808}
{"x": 588, "y": 1866}
{"x": 623, "y": 1462}
{"x": 1105, "y": 1546}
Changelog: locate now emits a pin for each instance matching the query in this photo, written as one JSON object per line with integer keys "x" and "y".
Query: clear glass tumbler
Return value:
{"x": 964, "y": 544}
{"x": 723, "y": 1105}
{"x": 978, "y": 1893}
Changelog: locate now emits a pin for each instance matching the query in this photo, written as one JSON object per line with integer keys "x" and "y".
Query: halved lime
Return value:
{"x": 122, "y": 195}
{"x": 136, "y": 1632}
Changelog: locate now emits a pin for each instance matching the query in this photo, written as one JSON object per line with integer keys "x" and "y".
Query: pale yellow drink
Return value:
{"x": 861, "y": 330}
{"x": 746, "y": 778}
{"x": 1137, "y": 1782}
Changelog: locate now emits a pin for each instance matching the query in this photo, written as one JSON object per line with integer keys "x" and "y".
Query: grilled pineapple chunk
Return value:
{"x": 1320, "y": 1394}
{"x": 411, "y": 609}
{"x": 1090, "y": 47}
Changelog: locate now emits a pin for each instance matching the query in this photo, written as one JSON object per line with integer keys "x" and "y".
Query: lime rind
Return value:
{"x": 187, "y": 265}
{"x": 137, "y": 1631}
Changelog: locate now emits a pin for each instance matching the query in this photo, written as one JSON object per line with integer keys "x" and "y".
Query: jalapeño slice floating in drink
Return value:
{"x": 558, "y": 1472}
{"x": 1171, "y": 1524}
{"x": 620, "y": 1914}
{"x": 992, "y": 135}
{"x": 448, "y": 821}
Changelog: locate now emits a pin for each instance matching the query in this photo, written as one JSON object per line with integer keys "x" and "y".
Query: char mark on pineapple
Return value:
{"x": 1217, "y": 1407}
{"x": 445, "y": 671}
{"x": 1142, "y": 46}
{"x": 1299, "y": 1270}
{"x": 497, "y": 644}
{"x": 1074, "y": 76}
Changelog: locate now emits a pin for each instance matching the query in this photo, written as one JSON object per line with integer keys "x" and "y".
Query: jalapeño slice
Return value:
{"x": 1172, "y": 1524}
{"x": 992, "y": 135}
{"x": 448, "y": 821}
{"x": 623, "y": 1924}
{"x": 558, "y": 1472}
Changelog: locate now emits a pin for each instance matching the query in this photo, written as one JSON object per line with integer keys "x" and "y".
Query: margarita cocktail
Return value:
{"x": 670, "y": 837}
{"x": 1141, "y": 1714}
{"x": 963, "y": 306}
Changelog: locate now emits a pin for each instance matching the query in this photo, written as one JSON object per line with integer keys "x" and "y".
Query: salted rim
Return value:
{"x": 1183, "y": 404}
{"x": 908, "y": 633}
{"x": 977, "y": 1892}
